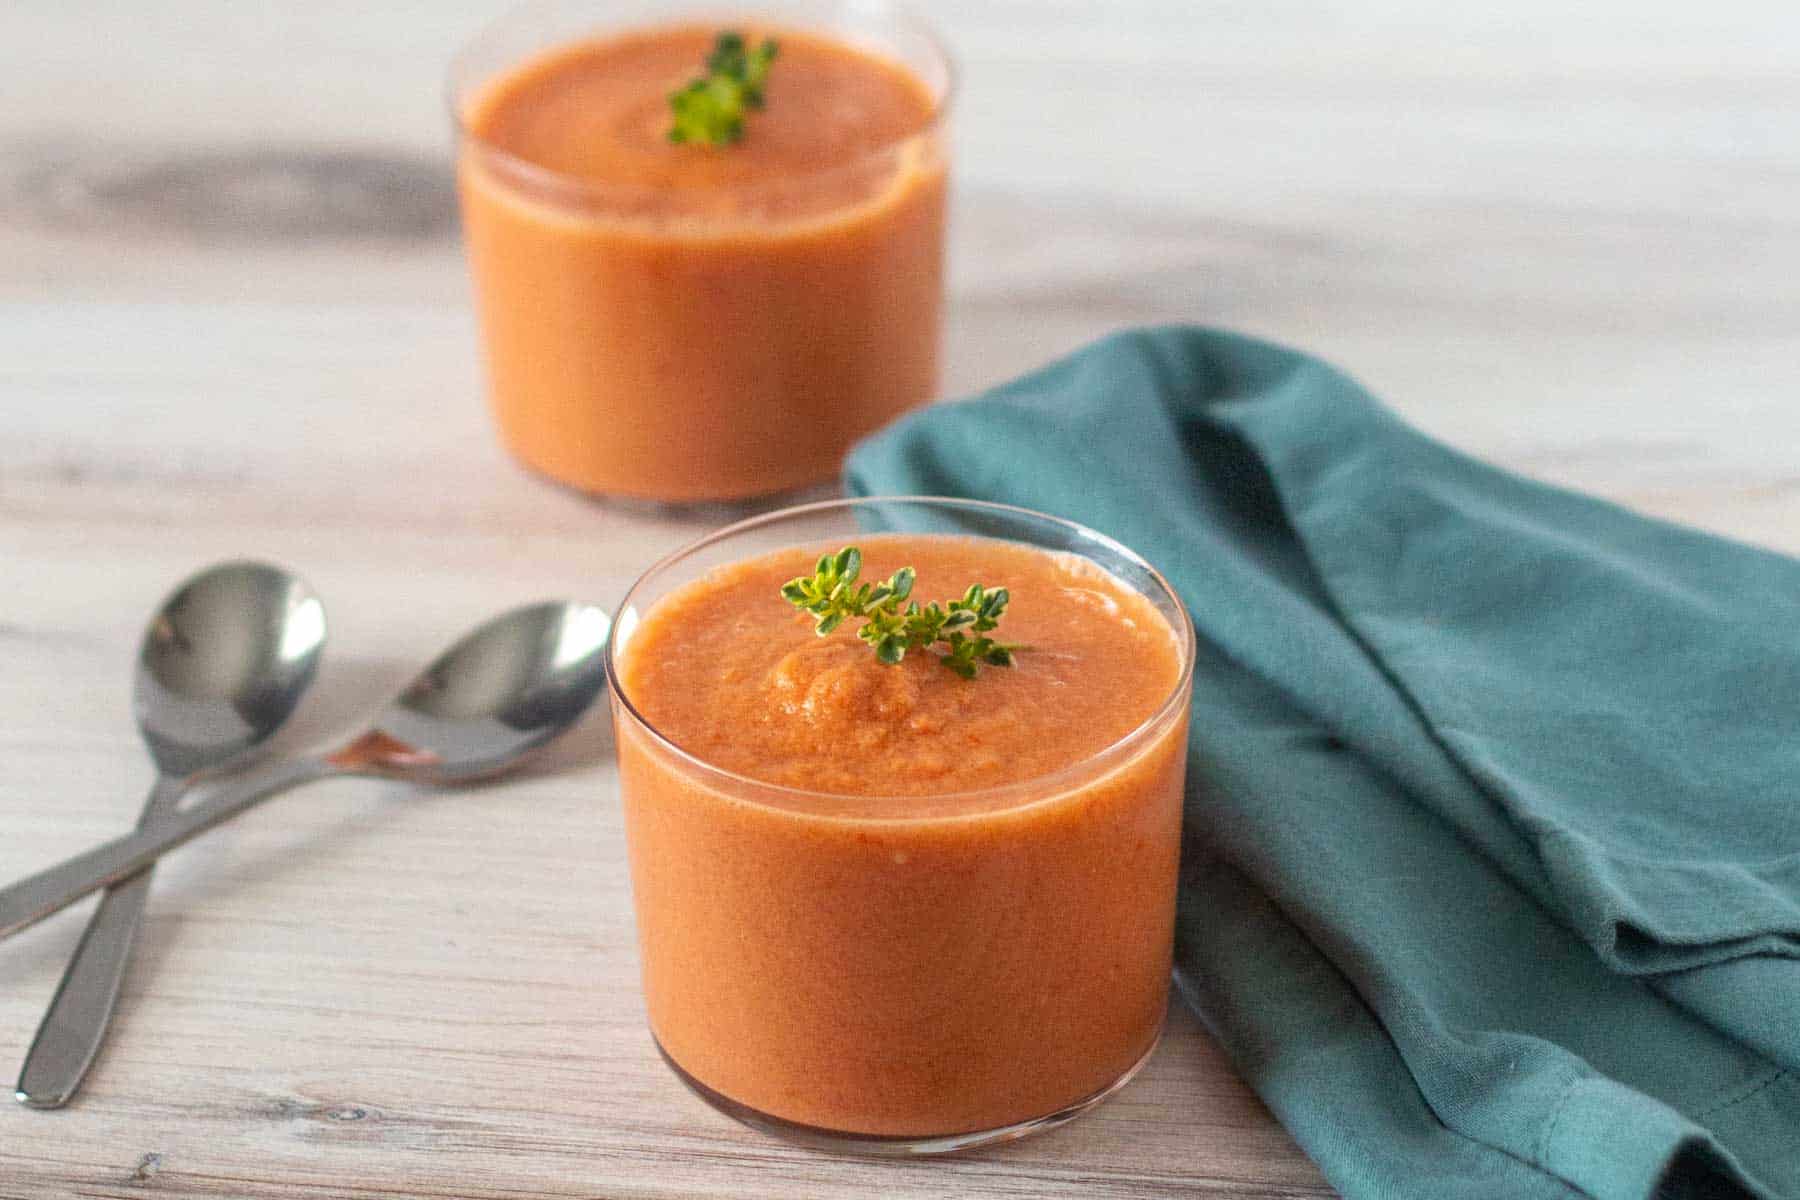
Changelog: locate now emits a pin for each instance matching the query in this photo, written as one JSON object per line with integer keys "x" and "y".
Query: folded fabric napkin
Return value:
{"x": 1491, "y": 884}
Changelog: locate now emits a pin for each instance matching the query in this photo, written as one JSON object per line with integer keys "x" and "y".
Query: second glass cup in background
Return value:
{"x": 670, "y": 323}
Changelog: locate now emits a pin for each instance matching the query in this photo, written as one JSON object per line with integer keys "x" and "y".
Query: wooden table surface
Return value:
{"x": 233, "y": 321}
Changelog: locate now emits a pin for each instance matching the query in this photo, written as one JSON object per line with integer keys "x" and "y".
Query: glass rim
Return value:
{"x": 560, "y": 181}
{"x": 1039, "y": 788}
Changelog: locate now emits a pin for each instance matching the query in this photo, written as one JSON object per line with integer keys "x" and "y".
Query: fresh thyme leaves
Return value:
{"x": 833, "y": 596}
{"x": 710, "y": 110}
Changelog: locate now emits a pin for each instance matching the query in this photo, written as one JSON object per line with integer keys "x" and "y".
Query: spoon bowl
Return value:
{"x": 504, "y": 690}
{"x": 224, "y": 663}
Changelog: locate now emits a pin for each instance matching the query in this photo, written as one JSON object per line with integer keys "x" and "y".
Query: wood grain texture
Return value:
{"x": 233, "y": 321}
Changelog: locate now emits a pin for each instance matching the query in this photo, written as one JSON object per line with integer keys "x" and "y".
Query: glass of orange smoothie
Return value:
{"x": 888, "y": 907}
{"x": 694, "y": 322}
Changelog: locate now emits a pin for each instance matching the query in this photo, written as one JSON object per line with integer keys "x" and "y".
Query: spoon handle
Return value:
{"x": 76, "y": 1022}
{"x": 37, "y": 896}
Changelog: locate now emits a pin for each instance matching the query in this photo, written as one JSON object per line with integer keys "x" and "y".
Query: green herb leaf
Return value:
{"x": 710, "y": 110}
{"x": 831, "y": 594}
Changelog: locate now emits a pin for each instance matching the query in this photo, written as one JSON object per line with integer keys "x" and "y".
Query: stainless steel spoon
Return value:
{"x": 500, "y": 693}
{"x": 222, "y": 666}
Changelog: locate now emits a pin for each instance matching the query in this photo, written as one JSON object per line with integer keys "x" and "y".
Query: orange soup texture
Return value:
{"x": 894, "y": 958}
{"x": 684, "y": 322}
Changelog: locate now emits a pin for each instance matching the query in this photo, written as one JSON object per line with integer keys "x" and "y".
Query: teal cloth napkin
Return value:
{"x": 1491, "y": 883}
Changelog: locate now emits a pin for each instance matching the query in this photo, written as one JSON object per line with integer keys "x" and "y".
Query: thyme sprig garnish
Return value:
{"x": 710, "y": 110}
{"x": 893, "y": 622}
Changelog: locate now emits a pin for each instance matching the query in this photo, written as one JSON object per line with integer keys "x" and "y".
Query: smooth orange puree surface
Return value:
{"x": 896, "y": 959}
{"x": 599, "y": 111}
{"x": 684, "y": 322}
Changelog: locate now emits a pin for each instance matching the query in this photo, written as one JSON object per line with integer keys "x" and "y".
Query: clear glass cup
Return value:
{"x": 703, "y": 344}
{"x": 884, "y": 974}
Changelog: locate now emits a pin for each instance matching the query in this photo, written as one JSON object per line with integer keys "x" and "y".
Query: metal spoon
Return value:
{"x": 222, "y": 666}
{"x": 500, "y": 693}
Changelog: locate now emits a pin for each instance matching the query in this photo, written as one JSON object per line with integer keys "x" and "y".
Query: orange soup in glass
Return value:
{"x": 695, "y": 322}
{"x": 884, "y": 906}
